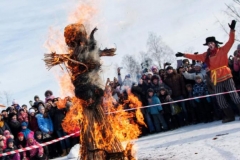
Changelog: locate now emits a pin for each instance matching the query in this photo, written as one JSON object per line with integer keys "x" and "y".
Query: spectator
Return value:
{"x": 26, "y": 132}
{"x": 14, "y": 124}
{"x": 198, "y": 72}
{"x": 39, "y": 138}
{"x": 3, "y": 125}
{"x": 171, "y": 120}
{"x": 16, "y": 105}
{"x": 21, "y": 143}
{"x": 176, "y": 83}
{"x": 154, "y": 70}
{"x": 200, "y": 89}
{"x": 5, "y": 115}
{"x": 33, "y": 125}
{"x": 35, "y": 154}
{"x": 7, "y": 135}
{"x": 22, "y": 116}
{"x": 44, "y": 122}
{"x": 48, "y": 95}
{"x": 57, "y": 116}
{"x": 156, "y": 111}
{"x": 11, "y": 147}
{"x": 36, "y": 101}
{"x": 24, "y": 107}
{"x": 156, "y": 84}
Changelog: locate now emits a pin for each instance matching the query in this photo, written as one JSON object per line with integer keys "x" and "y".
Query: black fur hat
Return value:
{"x": 211, "y": 39}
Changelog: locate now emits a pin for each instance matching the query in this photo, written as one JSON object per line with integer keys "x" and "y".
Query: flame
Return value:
{"x": 119, "y": 125}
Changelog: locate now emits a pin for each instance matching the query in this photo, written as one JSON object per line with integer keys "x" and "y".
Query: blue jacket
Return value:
{"x": 44, "y": 124}
{"x": 155, "y": 109}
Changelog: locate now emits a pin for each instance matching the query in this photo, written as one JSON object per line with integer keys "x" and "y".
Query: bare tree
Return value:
{"x": 131, "y": 65}
{"x": 159, "y": 50}
{"x": 233, "y": 12}
{"x": 145, "y": 60}
{"x": 6, "y": 98}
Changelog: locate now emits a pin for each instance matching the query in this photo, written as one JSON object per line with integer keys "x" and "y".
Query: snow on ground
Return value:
{"x": 202, "y": 141}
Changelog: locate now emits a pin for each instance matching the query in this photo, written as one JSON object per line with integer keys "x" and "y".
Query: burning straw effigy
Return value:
{"x": 101, "y": 134}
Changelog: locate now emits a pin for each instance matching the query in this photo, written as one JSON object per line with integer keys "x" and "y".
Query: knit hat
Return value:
{"x": 11, "y": 115}
{"x": 14, "y": 102}
{"x": 24, "y": 124}
{"x": 40, "y": 107}
{"x": 154, "y": 67}
{"x": 31, "y": 110}
{"x": 38, "y": 133}
{"x": 20, "y": 134}
{"x": 10, "y": 140}
{"x": 169, "y": 67}
{"x": 150, "y": 90}
{"x": 147, "y": 73}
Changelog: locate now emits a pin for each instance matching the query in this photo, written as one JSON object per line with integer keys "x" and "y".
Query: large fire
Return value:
{"x": 102, "y": 133}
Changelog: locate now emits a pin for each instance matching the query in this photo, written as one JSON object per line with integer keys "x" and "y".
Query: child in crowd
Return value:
{"x": 21, "y": 143}
{"x": 22, "y": 116}
{"x": 156, "y": 111}
{"x": 11, "y": 147}
{"x": 26, "y": 132}
{"x": 204, "y": 105}
{"x": 35, "y": 154}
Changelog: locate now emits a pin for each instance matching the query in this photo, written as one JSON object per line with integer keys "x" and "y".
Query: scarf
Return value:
{"x": 210, "y": 53}
{"x": 1, "y": 124}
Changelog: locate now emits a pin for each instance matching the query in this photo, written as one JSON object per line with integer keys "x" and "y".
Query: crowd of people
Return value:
{"x": 21, "y": 127}
{"x": 157, "y": 86}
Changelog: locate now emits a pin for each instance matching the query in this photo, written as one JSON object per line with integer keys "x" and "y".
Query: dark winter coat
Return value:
{"x": 57, "y": 116}
{"x": 33, "y": 125}
{"x": 176, "y": 83}
{"x": 15, "y": 127}
{"x": 4, "y": 127}
{"x": 200, "y": 89}
{"x": 166, "y": 107}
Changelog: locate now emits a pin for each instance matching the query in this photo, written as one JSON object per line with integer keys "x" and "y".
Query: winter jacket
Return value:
{"x": 236, "y": 63}
{"x": 20, "y": 145}
{"x": 57, "y": 116}
{"x": 163, "y": 99}
{"x": 176, "y": 83}
{"x": 217, "y": 63}
{"x": 192, "y": 76}
{"x": 200, "y": 89}
{"x": 4, "y": 128}
{"x": 26, "y": 132}
{"x": 157, "y": 108}
{"x": 33, "y": 124}
{"x": 23, "y": 117}
{"x": 34, "y": 152}
{"x": 15, "y": 156}
{"x": 44, "y": 124}
{"x": 15, "y": 127}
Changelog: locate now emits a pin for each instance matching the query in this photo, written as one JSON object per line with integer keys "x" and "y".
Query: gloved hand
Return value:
{"x": 179, "y": 54}
{"x": 195, "y": 52}
{"x": 232, "y": 25}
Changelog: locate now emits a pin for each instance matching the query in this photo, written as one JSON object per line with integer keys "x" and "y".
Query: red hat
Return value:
{"x": 20, "y": 134}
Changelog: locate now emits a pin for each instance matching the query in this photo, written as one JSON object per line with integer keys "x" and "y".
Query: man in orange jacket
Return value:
{"x": 216, "y": 58}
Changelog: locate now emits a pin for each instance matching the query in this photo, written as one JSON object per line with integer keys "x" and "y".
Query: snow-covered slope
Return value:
{"x": 214, "y": 140}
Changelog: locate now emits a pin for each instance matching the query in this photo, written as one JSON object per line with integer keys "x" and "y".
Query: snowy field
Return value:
{"x": 212, "y": 141}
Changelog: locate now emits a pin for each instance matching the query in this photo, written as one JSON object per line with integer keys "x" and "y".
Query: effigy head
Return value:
{"x": 75, "y": 34}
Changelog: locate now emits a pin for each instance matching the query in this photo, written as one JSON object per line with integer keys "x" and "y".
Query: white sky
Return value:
{"x": 24, "y": 28}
